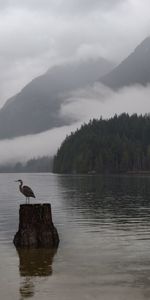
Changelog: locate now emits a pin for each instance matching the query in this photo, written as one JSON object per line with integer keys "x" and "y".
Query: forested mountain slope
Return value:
{"x": 119, "y": 144}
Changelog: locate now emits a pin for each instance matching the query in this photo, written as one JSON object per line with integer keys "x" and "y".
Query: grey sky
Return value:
{"x": 64, "y": 6}
{"x": 36, "y": 34}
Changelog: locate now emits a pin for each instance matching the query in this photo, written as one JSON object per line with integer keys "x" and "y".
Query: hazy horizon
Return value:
{"x": 87, "y": 104}
{"x": 35, "y": 35}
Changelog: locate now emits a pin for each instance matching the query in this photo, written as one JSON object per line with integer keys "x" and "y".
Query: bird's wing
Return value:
{"x": 28, "y": 191}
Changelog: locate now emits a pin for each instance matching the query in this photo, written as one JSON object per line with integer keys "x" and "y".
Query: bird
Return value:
{"x": 26, "y": 191}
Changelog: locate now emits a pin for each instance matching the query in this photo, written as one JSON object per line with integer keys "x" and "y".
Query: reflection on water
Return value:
{"x": 98, "y": 197}
{"x": 27, "y": 288}
{"x": 32, "y": 263}
{"x": 104, "y": 228}
{"x": 35, "y": 262}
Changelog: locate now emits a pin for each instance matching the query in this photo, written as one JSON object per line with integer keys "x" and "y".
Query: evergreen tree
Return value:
{"x": 119, "y": 144}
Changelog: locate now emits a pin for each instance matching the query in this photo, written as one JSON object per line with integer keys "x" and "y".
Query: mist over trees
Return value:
{"x": 119, "y": 144}
{"x": 34, "y": 165}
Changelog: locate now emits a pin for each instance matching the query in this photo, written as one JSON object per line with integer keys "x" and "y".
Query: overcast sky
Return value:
{"x": 35, "y": 34}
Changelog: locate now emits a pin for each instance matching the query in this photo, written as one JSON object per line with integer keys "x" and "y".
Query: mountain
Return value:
{"x": 119, "y": 144}
{"x": 37, "y": 107}
{"x": 135, "y": 69}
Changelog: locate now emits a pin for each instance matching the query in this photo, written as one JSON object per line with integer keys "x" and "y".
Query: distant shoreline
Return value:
{"x": 138, "y": 172}
{"x": 78, "y": 174}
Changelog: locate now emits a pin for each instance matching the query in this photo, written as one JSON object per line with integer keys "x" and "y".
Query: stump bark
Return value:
{"x": 36, "y": 228}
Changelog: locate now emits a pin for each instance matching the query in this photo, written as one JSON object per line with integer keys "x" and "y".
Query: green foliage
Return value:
{"x": 119, "y": 144}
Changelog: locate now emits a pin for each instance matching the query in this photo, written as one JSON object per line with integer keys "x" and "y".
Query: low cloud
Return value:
{"x": 97, "y": 101}
{"x": 85, "y": 104}
{"x": 32, "y": 146}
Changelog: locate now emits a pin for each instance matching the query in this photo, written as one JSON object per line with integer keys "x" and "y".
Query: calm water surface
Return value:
{"x": 104, "y": 228}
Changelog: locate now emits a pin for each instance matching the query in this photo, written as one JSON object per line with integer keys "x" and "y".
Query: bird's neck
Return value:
{"x": 20, "y": 186}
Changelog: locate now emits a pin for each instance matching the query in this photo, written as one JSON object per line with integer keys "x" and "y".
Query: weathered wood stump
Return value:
{"x": 36, "y": 228}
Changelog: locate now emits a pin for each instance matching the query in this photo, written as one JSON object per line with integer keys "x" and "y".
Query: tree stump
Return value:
{"x": 36, "y": 228}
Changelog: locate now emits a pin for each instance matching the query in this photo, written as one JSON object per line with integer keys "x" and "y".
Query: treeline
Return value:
{"x": 119, "y": 144}
{"x": 35, "y": 165}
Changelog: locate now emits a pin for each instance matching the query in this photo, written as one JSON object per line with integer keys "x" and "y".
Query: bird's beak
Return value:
{"x": 16, "y": 181}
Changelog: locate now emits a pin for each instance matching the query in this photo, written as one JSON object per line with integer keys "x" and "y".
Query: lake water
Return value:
{"x": 104, "y": 229}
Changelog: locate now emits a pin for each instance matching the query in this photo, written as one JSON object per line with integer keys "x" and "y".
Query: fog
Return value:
{"x": 32, "y": 146}
{"x": 86, "y": 104}
{"x": 36, "y": 34}
{"x": 99, "y": 100}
